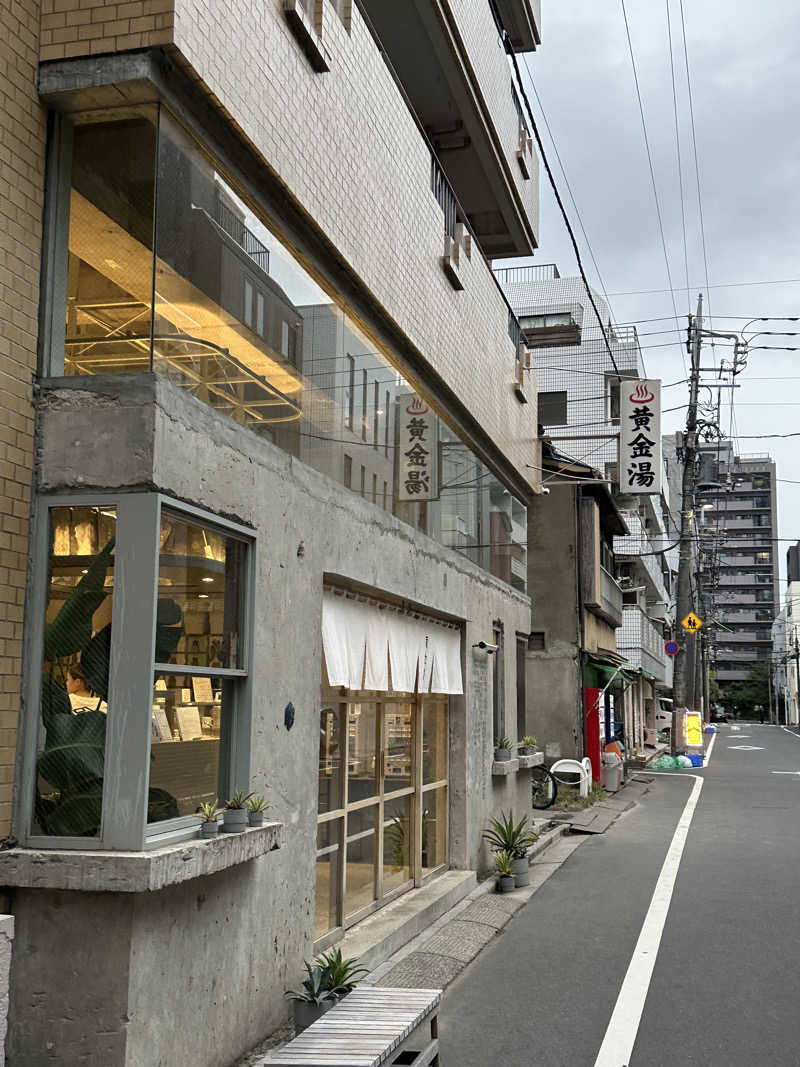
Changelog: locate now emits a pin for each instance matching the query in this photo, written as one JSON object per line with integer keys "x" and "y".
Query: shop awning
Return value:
{"x": 362, "y": 639}
{"x": 612, "y": 665}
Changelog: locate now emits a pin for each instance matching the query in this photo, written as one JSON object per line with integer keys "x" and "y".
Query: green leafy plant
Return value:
{"x": 238, "y": 801}
{"x": 208, "y": 810}
{"x": 314, "y": 989}
{"x": 341, "y": 974}
{"x": 529, "y": 741}
{"x": 503, "y": 864}
{"x": 397, "y": 833}
{"x": 503, "y": 742}
{"x": 506, "y": 835}
{"x": 256, "y": 803}
{"x": 71, "y": 762}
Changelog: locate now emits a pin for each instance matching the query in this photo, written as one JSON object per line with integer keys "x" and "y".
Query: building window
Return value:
{"x": 350, "y": 393}
{"x": 363, "y": 480}
{"x": 144, "y": 660}
{"x": 364, "y": 405}
{"x": 248, "y": 304}
{"x": 553, "y": 408}
{"x": 498, "y": 693}
{"x": 387, "y": 412}
{"x": 348, "y": 471}
{"x": 376, "y": 416}
{"x": 522, "y": 648}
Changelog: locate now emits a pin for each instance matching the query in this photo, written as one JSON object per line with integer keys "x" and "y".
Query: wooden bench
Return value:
{"x": 372, "y": 1025}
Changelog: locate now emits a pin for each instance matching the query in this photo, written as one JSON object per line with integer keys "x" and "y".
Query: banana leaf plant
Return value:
{"x": 71, "y": 762}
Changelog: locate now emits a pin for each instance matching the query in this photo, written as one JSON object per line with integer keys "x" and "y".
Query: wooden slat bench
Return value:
{"x": 373, "y": 1025}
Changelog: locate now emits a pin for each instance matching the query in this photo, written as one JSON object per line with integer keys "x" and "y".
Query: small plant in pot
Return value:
{"x": 502, "y": 750}
{"x": 527, "y": 745}
{"x": 506, "y": 835}
{"x": 208, "y": 812}
{"x": 234, "y": 819}
{"x": 504, "y": 870}
{"x": 341, "y": 974}
{"x": 313, "y": 998}
{"x": 256, "y": 809}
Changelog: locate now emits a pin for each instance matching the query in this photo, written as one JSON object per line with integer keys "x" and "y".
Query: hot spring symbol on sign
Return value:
{"x": 417, "y": 463}
{"x": 640, "y": 468}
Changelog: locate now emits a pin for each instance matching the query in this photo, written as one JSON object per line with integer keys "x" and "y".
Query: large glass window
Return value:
{"x": 70, "y": 761}
{"x": 383, "y": 814}
{"x": 170, "y": 270}
{"x": 143, "y": 659}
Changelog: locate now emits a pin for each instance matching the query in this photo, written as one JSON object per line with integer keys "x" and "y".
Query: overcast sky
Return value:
{"x": 746, "y": 88}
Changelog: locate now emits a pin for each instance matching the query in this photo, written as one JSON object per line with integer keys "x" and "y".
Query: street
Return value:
{"x": 725, "y": 987}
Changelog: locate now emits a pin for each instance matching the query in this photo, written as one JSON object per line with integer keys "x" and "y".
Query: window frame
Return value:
{"x": 132, "y": 670}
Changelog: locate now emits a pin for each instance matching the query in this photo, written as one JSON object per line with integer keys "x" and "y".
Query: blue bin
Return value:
{"x": 696, "y": 758}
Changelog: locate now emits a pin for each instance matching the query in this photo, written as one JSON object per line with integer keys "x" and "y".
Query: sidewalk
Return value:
{"x": 435, "y": 957}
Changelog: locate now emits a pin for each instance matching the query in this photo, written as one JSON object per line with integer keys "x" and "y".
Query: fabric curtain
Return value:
{"x": 362, "y": 640}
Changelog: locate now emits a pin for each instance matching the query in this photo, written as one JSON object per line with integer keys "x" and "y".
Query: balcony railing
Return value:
{"x": 235, "y": 228}
{"x": 538, "y": 272}
{"x": 445, "y": 197}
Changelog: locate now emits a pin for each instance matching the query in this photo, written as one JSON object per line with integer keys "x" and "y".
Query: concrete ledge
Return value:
{"x": 374, "y": 939}
{"x": 506, "y": 766}
{"x": 525, "y": 762}
{"x": 135, "y": 872}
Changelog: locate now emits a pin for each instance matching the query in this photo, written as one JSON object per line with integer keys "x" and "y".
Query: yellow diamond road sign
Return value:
{"x": 691, "y": 623}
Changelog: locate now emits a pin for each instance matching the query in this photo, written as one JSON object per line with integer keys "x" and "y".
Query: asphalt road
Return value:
{"x": 725, "y": 989}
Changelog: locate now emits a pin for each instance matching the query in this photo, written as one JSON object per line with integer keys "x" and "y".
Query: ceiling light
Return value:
{"x": 202, "y": 596}
{"x": 206, "y": 579}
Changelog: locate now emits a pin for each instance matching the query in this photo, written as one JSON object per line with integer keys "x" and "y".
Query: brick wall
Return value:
{"x": 90, "y": 27}
{"x": 22, "y": 145}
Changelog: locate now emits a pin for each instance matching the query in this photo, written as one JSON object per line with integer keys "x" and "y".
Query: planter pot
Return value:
{"x": 522, "y": 871}
{"x": 209, "y": 829}
{"x": 505, "y": 884}
{"x": 255, "y": 818}
{"x": 306, "y": 1013}
{"x": 234, "y": 820}
{"x": 501, "y": 755}
{"x": 526, "y": 750}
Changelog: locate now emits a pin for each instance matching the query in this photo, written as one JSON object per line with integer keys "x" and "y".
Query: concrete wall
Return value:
{"x": 224, "y": 948}
{"x": 346, "y": 149}
{"x": 22, "y": 151}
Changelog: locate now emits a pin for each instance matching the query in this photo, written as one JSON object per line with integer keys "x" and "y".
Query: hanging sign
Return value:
{"x": 640, "y": 436}
{"x": 418, "y": 449}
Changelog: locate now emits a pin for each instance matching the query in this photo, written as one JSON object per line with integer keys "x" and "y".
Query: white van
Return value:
{"x": 663, "y": 713}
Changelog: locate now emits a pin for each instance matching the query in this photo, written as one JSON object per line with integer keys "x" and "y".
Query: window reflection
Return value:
{"x": 227, "y": 313}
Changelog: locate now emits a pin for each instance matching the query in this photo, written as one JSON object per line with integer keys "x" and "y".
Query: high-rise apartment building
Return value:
{"x": 269, "y": 440}
{"x": 737, "y": 525}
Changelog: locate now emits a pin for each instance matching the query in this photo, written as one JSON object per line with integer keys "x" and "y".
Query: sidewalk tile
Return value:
{"x": 423, "y": 970}
{"x": 461, "y": 940}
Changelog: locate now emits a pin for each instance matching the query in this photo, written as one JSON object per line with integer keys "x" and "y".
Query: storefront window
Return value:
{"x": 74, "y": 696}
{"x": 219, "y": 305}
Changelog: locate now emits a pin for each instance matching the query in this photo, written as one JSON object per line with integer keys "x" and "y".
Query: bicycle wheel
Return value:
{"x": 544, "y": 788}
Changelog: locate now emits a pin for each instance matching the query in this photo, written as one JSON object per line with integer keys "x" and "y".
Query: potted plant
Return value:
{"x": 313, "y": 998}
{"x": 341, "y": 974}
{"x": 528, "y": 745}
{"x": 506, "y": 835}
{"x": 256, "y": 807}
{"x": 504, "y": 871}
{"x": 208, "y": 812}
{"x": 502, "y": 750}
{"x": 234, "y": 818}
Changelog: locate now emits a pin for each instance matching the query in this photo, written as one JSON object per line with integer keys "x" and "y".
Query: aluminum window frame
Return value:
{"x": 132, "y": 668}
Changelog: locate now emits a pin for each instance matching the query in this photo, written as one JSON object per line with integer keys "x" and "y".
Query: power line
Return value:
{"x": 509, "y": 49}
{"x": 652, "y": 171}
{"x": 678, "y": 154}
{"x": 718, "y": 285}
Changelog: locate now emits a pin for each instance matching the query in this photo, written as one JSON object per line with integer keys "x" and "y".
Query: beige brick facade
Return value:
{"x": 22, "y": 149}
{"x": 92, "y": 27}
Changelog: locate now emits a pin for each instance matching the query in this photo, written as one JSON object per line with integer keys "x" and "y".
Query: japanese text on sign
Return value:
{"x": 418, "y": 449}
{"x": 640, "y": 436}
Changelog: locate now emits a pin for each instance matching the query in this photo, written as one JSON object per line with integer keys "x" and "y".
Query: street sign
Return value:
{"x": 691, "y": 623}
{"x": 671, "y": 648}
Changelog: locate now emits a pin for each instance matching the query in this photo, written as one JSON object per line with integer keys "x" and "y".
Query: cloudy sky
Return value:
{"x": 746, "y": 88}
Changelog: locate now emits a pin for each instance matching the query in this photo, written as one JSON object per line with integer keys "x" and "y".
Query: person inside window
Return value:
{"x": 81, "y": 697}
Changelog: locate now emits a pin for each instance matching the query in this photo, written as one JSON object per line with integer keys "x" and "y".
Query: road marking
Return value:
{"x": 787, "y": 772}
{"x": 709, "y": 750}
{"x": 788, "y": 731}
{"x": 623, "y": 1026}
{"x": 735, "y": 728}
{"x": 747, "y": 748}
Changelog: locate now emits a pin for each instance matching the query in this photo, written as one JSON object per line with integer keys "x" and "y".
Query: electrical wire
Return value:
{"x": 678, "y": 154}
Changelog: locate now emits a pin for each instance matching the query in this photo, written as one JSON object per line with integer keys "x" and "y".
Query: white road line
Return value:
{"x": 624, "y": 1023}
{"x": 709, "y": 750}
{"x": 787, "y": 772}
{"x": 788, "y": 731}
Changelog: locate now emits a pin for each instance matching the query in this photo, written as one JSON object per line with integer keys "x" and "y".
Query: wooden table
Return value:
{"x": 372, "y": 1025}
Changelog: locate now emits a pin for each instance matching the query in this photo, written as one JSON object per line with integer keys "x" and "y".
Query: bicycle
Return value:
{"x": 544, "y": 788}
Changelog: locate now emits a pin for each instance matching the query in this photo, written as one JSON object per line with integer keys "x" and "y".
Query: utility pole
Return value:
{"x": 683, "y": 661}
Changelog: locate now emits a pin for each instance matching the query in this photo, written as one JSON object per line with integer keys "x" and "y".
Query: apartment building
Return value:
{"x": 579, "y": 397}
{"x": 269, "y": 444}
{"x": 738, "y": 529}
{"x": 786, "y": 640}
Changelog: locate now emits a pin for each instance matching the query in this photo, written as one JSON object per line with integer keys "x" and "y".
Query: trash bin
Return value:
{"x": 613, "y": 765}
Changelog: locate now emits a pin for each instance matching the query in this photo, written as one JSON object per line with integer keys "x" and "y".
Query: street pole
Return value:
{"x": 684, "y": 658}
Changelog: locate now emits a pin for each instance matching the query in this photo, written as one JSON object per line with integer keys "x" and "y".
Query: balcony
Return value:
{"x": 642, "y": 643}
{"x": 523, "y": 23}
{"x": 638, "y": 548}
{"x": 606, "y": 599}
{"x": 452, "y": 66}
